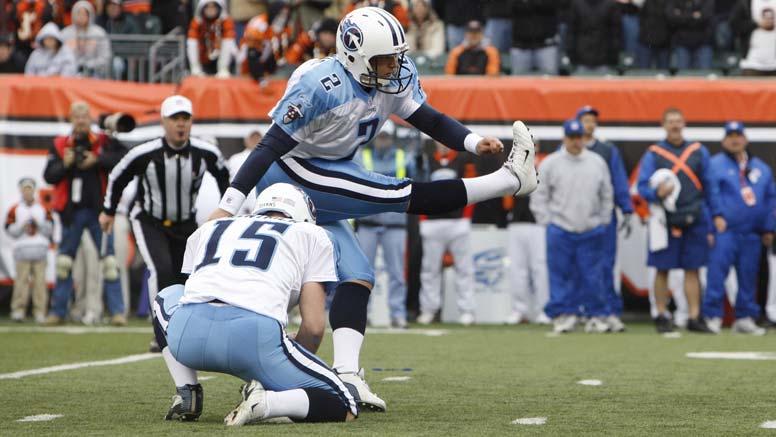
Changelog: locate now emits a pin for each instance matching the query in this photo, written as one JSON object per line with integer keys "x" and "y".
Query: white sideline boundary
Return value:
{"x": 62, "y": 367}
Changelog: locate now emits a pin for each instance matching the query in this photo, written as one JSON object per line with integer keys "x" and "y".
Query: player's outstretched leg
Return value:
{"x": 521, "y": 159}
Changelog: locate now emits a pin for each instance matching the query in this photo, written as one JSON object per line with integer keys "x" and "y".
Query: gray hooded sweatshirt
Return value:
{"x": 44, "y": 62}
{"x": 90, "y": 45}
{"x": 575, "y": 192}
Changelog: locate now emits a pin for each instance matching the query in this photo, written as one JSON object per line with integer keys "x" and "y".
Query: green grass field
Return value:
{"x": 473, "y": 381}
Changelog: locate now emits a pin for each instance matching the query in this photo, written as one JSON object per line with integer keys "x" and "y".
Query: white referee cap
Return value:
{"x": 176, "y": 104}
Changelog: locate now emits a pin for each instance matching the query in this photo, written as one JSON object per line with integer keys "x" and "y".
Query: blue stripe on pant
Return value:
{"x": 741, "y": 251}
{"x": 250, "y": 346}
{"x": 575, "y": 265}
{"x": 613, "y": 300}
{"x": 340, "y": 189}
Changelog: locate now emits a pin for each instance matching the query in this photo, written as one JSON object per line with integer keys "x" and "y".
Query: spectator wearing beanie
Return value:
{"x": 114, "y": 20}
{"x": 593, "y": 42}
{"x": 474, "y": 55}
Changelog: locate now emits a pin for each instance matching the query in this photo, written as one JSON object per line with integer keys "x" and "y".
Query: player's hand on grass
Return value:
{"x": 219, "y": 213}
{"x": 489, "y": 146}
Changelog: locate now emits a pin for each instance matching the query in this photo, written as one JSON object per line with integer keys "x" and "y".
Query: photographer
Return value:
{"x": 77, "y": 166}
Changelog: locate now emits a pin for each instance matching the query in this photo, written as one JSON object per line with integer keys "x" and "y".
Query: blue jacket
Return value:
{"x": 611, "y": 155}
{"x": 758, "y": 218}
{"x": 691, "y": 201}
{"x": 384, "y": 162}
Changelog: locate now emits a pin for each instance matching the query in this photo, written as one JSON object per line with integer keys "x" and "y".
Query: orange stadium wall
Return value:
{"x": 34, "y": 110}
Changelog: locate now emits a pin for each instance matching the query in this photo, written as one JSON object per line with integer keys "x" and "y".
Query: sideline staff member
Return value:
{"x": 169, "y": 171}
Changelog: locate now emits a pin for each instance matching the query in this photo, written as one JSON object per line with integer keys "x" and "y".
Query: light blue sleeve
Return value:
{"x": 305, "y": 100}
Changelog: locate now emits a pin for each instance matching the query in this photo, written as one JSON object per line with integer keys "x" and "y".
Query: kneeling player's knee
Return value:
{"x": 325, "y": 407}
{"x": 64, "y": 265}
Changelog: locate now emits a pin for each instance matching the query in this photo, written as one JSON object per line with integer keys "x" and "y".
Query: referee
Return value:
{"x": 169, "y": 172}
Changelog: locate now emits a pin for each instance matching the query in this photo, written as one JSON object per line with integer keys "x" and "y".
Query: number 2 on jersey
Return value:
{"x": 264, "y": 252}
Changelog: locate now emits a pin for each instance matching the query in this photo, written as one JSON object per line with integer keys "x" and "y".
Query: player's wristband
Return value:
{"x": 471, "y": 141}
{"x": 232, "y": 200}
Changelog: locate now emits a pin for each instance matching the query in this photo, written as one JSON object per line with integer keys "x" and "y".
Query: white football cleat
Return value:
{"x": 564, "y": 323}
{"x": 358, "y": 387}
{"x": 615, "y": 324}
{"x": 253, "y": 407}
{"x": 596, "y": 325}
{"x": 747, "y": 326}
{"x": 466, "y": 319}
{"x": 425, "y": 318}
{"x": 714, "y": 324}
{"x": 521, "y": 159}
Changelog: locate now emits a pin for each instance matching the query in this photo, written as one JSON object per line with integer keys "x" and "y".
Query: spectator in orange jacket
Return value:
{"x": 319, "y": 42}
{"x": 474, "y": 55}
{"x": 211, "y": 40}
{"x": 392, "y": 6}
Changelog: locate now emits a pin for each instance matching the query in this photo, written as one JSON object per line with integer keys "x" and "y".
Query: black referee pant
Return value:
{"x": 162, "y": 248}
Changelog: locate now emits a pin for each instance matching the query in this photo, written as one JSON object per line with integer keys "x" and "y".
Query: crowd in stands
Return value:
{"x": 258, "y": 38}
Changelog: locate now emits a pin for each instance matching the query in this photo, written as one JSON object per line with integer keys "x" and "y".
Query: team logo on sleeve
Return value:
{"x": 294, "y": 112}
{"x": 351, "y": 35}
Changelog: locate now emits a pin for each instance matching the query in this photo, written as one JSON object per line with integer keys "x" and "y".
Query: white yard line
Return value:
{"x": 753, "y": 356}
{"x": 590, "y": 382}
{"x": 530, "y": 421}
{"x": 40, "y": 418}
{"x": 73, "y": 366}
{"x": 397, "y": 378}
{"x": 413, "y": 331}
{"x": 771, "y": 424}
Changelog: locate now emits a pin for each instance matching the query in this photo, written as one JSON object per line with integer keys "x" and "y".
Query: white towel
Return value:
{"x": 658, "y": 224}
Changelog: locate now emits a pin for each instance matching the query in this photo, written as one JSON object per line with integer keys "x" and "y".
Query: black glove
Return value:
{"x": 625, "y": 226}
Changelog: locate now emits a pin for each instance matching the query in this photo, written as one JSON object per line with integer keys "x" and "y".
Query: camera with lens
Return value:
{"x": 117, "y": 122}
{"x": 80, "y": 148}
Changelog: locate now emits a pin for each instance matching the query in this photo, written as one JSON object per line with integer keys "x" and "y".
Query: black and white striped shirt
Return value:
{"x": 168, "y": 180}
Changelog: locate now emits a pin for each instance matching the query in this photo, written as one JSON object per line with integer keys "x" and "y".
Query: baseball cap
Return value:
{"x": 572, "y": 128}
{"x": 734, "y": 127}
{"x": 474, "y": 26}
{"x": 175, "y": 104}
{"x": 27, "y": 182}
{"x": 587, "y": 109}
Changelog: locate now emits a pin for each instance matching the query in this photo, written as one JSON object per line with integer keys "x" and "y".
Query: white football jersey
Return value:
{"x": 257, "y": 263}
{"x": 331, "y": 115}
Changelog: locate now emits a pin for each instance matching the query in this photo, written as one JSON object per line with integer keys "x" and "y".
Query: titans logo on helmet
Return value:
{"x": 351, "y": 35}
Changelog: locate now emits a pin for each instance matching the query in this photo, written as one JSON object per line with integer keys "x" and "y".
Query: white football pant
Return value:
{"x": 439, "y": 236}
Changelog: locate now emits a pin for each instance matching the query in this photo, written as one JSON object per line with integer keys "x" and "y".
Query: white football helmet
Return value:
{"x": 368, "y": 32}
{"x": 286, "y": 199}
